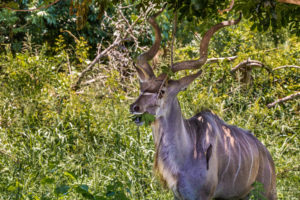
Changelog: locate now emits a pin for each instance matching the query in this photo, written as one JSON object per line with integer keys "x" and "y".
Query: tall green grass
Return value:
{"x": 57, "y": 144}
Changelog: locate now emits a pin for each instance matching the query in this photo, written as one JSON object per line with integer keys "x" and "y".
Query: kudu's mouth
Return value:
{"x": 143, "y": 118}
{"x": 138, "y": 119}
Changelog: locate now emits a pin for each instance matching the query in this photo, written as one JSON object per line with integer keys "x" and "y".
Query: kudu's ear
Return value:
{"x": 181, "y": 84}
{"x": 208, "y": 155}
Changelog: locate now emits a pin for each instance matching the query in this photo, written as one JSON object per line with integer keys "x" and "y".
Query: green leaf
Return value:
{"x": 47, "y": 180}
{"x": 257, "y": 192}
{"x": 148, "y": 118}
{"x": 11, "y": 4}
{"x": 11, "y": 188}
{"x": 109, "y": 194}
{"x": 145, "y": 117}
{"x": 84, "y": 190}
{"x": 167, "y": 70}
{"x": 253, "y": 27}
{"x": 70, "y": 175}
{"x": 62, "y": 189}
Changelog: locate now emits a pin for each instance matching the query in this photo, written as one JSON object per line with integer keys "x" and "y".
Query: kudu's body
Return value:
{"x": 202, "y": 157}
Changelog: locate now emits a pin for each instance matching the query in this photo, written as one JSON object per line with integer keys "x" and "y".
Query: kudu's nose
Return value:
{"x": 134, "y": 108}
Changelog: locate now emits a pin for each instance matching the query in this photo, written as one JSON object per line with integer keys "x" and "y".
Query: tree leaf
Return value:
{"x": 84, "y": 190}
{"x": 47, "y": 180}
{"x": 70, "y": 175}
{"x": 148, "y": 118}
{"x": 62, "y": 189}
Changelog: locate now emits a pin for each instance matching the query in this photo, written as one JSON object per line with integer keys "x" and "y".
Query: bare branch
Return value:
{"x": 130, "y": 28}
{"x": 117, "y": 41}
{"x": 30, "y": 10}
{"x": 227, "y": 9}
{"x": 284, "y": 99}
{"x": 86, "y": 83}
{"x": 103, "y": 53}
{"x": 195, "y": 64}
{"x": 249, "y": 62}
{"x": 296, "y": 2}
{"x": 286, "y": 66}
{"x": 216, "y": 60}
{"x": 71, "y": 34}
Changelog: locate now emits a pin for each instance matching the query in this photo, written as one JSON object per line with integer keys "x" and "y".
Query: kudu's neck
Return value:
{"x": 170, "y": 133}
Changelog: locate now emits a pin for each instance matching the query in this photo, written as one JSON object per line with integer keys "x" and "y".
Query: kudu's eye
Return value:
{"x": 161, "y": 94}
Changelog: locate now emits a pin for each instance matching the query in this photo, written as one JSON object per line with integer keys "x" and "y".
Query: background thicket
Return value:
{"x": 58, "y": 141}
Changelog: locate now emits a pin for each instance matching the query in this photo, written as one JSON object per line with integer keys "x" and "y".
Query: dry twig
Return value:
{"x": 284, "y": 99}
{"x": 286, "y": 66}
{"x": 119, "y": 39}
{"x": 250, "y": 63}
{"x": 216, "y": 60}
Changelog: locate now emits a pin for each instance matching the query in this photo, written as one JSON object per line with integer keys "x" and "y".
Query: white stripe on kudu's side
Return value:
{"x": 251, "y": 154}
{"x": 239, "y": 163}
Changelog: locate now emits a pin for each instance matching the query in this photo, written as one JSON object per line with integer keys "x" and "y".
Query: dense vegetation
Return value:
{"x": 61, "y": 143}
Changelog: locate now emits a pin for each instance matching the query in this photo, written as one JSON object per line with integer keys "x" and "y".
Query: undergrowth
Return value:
{"x": 58, "y": 144}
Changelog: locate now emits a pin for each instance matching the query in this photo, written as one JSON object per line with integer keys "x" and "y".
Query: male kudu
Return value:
{"x": 201, "y": 157}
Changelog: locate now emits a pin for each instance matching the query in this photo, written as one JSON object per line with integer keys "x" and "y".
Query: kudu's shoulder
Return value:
{"x": 207, "y": 120}
{"x": 206, "y": 117}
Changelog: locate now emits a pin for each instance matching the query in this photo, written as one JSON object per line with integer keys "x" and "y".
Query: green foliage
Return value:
{"x": 245, "y": 105}
{"x": 264, "y": 14}
{"x": 58, "y": 144}
{"x": 144, "y": 118}
{"x": 167, "y": 70}
{"x": 82, "y": 49}
{"x": 257, "y": 191}
{"x": 46, "y": 24}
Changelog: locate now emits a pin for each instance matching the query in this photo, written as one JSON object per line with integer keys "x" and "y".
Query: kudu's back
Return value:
{"x": 238, "y": 158}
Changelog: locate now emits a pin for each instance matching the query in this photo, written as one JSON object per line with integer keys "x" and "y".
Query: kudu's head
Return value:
{"x": 158, "y": 93}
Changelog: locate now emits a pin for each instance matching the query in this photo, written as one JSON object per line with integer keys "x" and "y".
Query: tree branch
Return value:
{"x": 286, "y": 66}
{"x": 100, "y": 55}
{"x": 287, "y": 98}
{"x": 216, "y": 60}
{"x": 86, "y": 83}
{"x": 296, "y": 2}
{"x": 130, "y": 29}
{"x": 250, "y": 62}
{"x": 71, "y": 34}
{"x": 76, "y": 86}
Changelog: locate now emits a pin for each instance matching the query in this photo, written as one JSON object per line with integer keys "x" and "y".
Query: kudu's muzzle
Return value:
{"x": 135, "y": 109}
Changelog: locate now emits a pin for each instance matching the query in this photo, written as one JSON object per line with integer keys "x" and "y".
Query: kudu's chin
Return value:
{"x": 138, "y": 120}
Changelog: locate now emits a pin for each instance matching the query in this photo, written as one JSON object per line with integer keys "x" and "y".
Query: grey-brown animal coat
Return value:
{"x": 224, "y": 160}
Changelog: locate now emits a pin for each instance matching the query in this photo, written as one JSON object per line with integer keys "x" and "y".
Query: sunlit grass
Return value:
{"x": 56, "y": 144}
